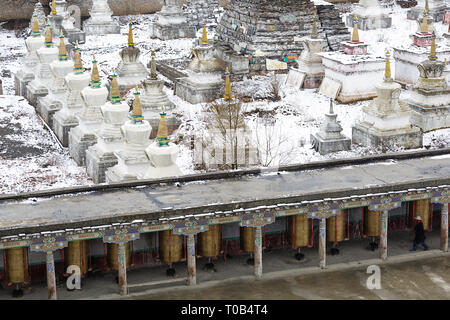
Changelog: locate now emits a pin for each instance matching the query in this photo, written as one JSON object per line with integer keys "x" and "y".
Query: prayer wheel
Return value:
{"x": 373, "y": 223}
{"x": 170, "y": 246}
{"x": 247, "y": 239}
{"x": 300, "y": 229}
{"x": 113, "y": 255}
{"x": 17, "y": 265}
{"x": 336, "y": 227}
{"x": 422, "y": 209}
{"x": 209, "y": 242}
{"x": 76, "y": 254}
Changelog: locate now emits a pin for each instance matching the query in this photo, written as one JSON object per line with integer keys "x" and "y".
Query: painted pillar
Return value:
{"x": 51, "y": 279}
{"x": 383, "y": 234}
{"x": 122, "y": 268}
{"x": 192, "y": 269}
{"x": 258, "y": 253}
{"x": 444, "y": 227}
{"x": 322, "y": 243}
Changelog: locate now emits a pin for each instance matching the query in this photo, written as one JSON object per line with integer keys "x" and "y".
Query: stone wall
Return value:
{"x": 23, "y": 9}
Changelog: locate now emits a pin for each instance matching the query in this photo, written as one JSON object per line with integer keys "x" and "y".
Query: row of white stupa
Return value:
{"x": 75, "y": 106}
{"x": 170, "y": 23}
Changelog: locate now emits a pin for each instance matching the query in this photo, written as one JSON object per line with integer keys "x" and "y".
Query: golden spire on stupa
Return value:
{"x": 62, "y": 56}
{"x": 130, "y": 35}
{"x": 35, "y": 32}
{"x": 432, "y": 55}
{"x": 387, "y": 69}
{"x": 77, "y": 63}
{"x": 204, "y": 36}
{"x": 54, "y": 13}
{"x": 115, "y": 93}
{"x": 137, "y": 109}
{"x": 355, "y": 35}
{"x": 162, "y": 134}
{"x": 95, "y": 76}
{"x": 48, "y": 36}
{"x": 227, "y": 94}
{"x": 427, "y": 7}
{"x": 314, "y": 28}
{"x": 424, "y": 23}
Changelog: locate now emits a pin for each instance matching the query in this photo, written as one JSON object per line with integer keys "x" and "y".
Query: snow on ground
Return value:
{"x": 281, "y": 129}
{"x": 30, "y": 159}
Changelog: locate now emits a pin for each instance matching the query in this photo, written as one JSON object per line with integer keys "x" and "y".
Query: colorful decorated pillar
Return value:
{"x": 258, "y": 219}
{"x": 121, "y": 236}
{"x": 383, "y": 235}
{"x": 51, "y": 279}
{"x": 258, "y": 253}
{"x": 443, "y": 197}
{"x": 190, "y": 228}
{"x": 192, "y": 269}
{"x": 322, "y": 243}
{"x": 444, "y": 227}
{"x": 48, "y": 245}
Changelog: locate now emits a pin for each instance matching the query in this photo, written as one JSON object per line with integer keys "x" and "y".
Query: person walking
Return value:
{"x": 419, "y": 235}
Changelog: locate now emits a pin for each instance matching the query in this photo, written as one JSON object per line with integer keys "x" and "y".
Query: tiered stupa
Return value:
{"x": 171, "y": 23}
{"x": 153, "y": 98}
{"x": 204, "y": 75}
{"x": 162, "y": 154}
{"x": 100, "y": 21}
{"x": 43, "y": 76}
{"x": 47, "y": 106}
{"x": 330, "y": 137}
{"x": 130, "y": 71}
{"x": 435, "y": 9}
{"x": 66, "y": 118}
{"x": 133, "y": 161}
{"x": 407, "y": 57}
{"x": 310, "y": 64}
{"x": 430, "y": 98}
{"x": 386, "y": 120}
{"x": 266, "y": 30}
{"x": 370, "y": 16}
{"x": 100, "y": 156}
{"x": 90, "y": 119}
{"x": 351, "y": 75}
{"x": 30, "y": 62}
{"x": 40, "y": 13}
{"x": 62, "y": 21}
{"x": 228, "y": 144}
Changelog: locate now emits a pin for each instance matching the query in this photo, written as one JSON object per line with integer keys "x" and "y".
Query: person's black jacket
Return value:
{"x": 420, "y": 233}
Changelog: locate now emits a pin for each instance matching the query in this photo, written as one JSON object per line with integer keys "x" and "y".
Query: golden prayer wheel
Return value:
{"x": 17, "y": 265}
{"x": 373, "y": 223}
{"x": 209, "y": 242}
{"x": 76, "y": 254}
{"x": 336, "y": 227}
{"x": 170, "y": 246}
{"x": 247, "y": 239}
{"x": 300, "y": 229}
{"x": 422, "y": 209}
{"x": 113, "y": 255}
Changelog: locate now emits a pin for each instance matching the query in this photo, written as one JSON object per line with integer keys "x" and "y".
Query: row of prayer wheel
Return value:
{"x": 209, "y": 242}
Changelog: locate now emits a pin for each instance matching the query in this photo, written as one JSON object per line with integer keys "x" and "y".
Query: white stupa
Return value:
{"x": 100, "y": 21}
{"x": 62, "y": 20}
{"x": 30, "y": 62}
{"x": 130, "y": 71}
{"x": 370, "y": 16}
{"x": 171, "y": 23}
{"x": 43, "y": 77}
{"x": 100, "y": 156}
{"x": 133, "y": 161}
{"x": 66, "y": 118}
{"x": 90, "y": 119}
{"x": 162, "y": 154}
{"x": 47, "y": 106}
